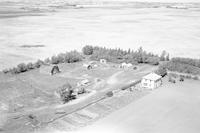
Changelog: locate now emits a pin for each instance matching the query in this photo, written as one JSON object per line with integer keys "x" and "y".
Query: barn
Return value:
{"x": 151, "y": 81}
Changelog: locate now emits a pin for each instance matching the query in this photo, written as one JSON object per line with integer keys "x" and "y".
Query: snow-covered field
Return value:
{"x": 155, "y": 29}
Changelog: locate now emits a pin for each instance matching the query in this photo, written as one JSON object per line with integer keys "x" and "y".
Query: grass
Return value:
{"x": 33, "y": 92}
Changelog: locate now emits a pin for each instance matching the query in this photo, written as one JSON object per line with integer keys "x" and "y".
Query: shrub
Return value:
{"x": 172, "y": 80}
{"x": 196, "y": 78}
{"x": 109, "y": 94}
{"x": 174, "y": 75}
{"x": 181, "y": 79}
{"x": 188, "y": 76}
{"x": 5, "y": 71}
{"x": 14, "y": 70}
{"x": 87, "y": 50}
{"x": 22, "y": 67}
{"x": 81, "y": 90}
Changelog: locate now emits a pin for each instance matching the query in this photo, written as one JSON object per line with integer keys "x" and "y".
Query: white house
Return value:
{"x": 104, "y": 61}
{"x": 151, "y": 81}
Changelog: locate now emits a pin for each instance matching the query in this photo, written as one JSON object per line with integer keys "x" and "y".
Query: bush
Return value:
{"x": 14, "y": 70}
{"x": 81, "y": 90}
{"x": 188, "y": 76}
{"x": 87, "y": 50}
{"x": 109, "y": 94}
{"x": 181, "y": 79}
{"x": 172, "y": 80}
{"x": 22, "y": 67}
{"x": 196, "y": 78}
{"x": 5, "y": 71}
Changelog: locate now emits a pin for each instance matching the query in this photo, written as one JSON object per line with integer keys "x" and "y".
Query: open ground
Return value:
{"x": 154, "y": 26}
{"x": 172, "y": 108}
{"x": 33, "y": 93}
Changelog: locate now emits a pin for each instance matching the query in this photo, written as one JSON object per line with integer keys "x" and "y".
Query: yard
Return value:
{"x": 33, "y": 93}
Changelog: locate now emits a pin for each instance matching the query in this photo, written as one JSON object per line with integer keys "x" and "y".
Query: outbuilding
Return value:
{"x": 104, "y": 61}
{"x": 151, "y": 81}
{"x": 55, "y": 70}
{"x": 126, "y": 65}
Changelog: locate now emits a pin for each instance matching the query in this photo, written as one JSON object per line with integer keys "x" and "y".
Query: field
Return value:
{"x": 33, "y": 93}
{"x": 172, "y": 108}
{"x": 154, "y": 26}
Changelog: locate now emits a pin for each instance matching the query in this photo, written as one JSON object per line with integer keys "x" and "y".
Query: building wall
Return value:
{"x": 150, "y": 84}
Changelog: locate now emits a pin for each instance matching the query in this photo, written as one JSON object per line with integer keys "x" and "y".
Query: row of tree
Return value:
{"x": 189, "y": 61}
{"x": 120, "y": 55}
{"x": 181, "y": 67}
{"x": 68, "y": 57}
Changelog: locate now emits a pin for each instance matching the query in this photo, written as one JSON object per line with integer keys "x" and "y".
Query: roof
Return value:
{"x": 152, "y": 76}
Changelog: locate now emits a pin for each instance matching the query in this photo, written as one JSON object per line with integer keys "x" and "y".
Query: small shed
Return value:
{"x": 55, "y": 70}
{"x": 126, "y": 65}
{"x": 151, "y": 81}
{"x": 104, "y": 61}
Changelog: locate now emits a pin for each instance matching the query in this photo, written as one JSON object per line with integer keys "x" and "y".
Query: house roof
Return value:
{"x": 152, "y": 76}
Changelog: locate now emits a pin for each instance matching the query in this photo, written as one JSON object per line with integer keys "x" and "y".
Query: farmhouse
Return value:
{"x": 104, "y": 61}
{"x": 151, "y": 81}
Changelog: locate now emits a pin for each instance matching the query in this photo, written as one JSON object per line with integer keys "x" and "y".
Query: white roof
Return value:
{"x": 85, "y": 81}
{"x": 152, "y": 76}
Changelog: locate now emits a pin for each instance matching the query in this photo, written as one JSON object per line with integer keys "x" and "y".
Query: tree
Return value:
{"x": 162, "y": 56}
{"x": 47, "y": 61}
{"x": 152, "y": 60}
{"x": 167, "y": 57}
{"x": 30, "y": 66}
{"x": 87, "y": 50}
{"x": 22, "y": 67}
{"x": 66, "y": 93}
{"x": 38, "y": 63}
{"x": 162, "y": 71}
{"x": 54, "y": 60}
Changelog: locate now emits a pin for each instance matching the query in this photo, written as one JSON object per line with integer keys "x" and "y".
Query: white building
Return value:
{"x": 151, "y": 81}
{"x": 126, "y": 65}
{"x": 104, "y": 61}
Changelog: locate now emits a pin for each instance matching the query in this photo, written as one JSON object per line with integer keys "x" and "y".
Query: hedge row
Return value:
{"x": 68, "y": 57}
